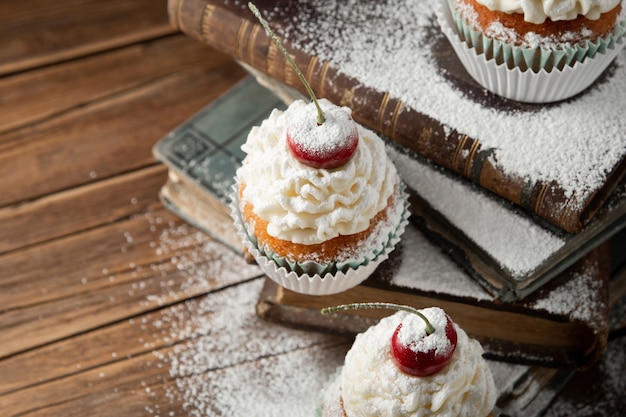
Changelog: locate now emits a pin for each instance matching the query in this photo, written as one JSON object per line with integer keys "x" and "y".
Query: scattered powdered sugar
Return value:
{"x": 221, "y": 357}
{"x": 425, "y": 267}
{"x": 598, "y": 392}
{"x": 199, "y": 263}
{"x": 326, "y": 140}
{"x": 388, "y": 46}
{"x": 516, "y": 243}
{"x": 413, "y": 331}
{"x": 587, "y": 305}
{"x": 233, "y": 363}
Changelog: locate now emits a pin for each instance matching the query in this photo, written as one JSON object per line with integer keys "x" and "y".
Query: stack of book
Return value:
{"x": 525, "y": 255}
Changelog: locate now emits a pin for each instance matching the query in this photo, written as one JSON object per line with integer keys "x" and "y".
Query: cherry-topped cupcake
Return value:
{"x": 413, "y": 363}
{"x": 319, "y": 203}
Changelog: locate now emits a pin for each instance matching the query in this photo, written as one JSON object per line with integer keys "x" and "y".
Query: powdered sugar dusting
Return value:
{"x": 425, "y": 267}
{"x": 388, "y": 47}
{"x": 322, "y": 141}
{"x": 224, "y": 360}
{"x": 199, "y": 263}
{"x": 587, "y": 305}
{"x": 517, "y": 244}
{"x": 233, "y": 363}
{"x": 598, "y": 392}
{"x": 413, "y": 332}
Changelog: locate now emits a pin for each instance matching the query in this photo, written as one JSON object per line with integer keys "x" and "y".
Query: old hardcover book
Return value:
{"x": 203, "y": 153}
{"x": 509, "y": 252}
{"x": 389, "y": 62}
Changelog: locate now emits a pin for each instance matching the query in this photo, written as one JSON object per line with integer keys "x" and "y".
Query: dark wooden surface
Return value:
{"x": 109, "y": 304}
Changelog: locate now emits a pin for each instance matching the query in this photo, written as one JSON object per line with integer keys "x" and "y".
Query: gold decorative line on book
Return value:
{"x": 207, "y": 17}
{"x": 567, "y": 209}
{"x": 347, "y": 97}
{"x": 252, "y": 41}
{"x": 272, "y": 53}
{"x": 310, "y": 68}
{"x": 394, "y": 118}
{"x": 540, "y": 197}
{"x": 459, "y": 149}
{"x": 323, "y": 78}
{"x": 289, "y": 75}
{"x": 381, "y": 111}
{"x": 470, "y": 157}
{"x": 178, "y": 5}
{"x": 240, "y": 43}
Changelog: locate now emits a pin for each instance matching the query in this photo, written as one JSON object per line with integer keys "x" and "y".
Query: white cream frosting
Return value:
{"x": 537, "y": 11}
{"x": 308, "y": 205}
{"x": 372, "y": 385}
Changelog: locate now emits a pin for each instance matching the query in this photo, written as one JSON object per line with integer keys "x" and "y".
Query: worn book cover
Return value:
{"x": 203, "y": 153}
{"x": 390, "y": 63}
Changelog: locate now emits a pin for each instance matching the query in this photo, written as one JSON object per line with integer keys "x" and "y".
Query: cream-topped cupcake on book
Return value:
{"x": 318, "y": 202}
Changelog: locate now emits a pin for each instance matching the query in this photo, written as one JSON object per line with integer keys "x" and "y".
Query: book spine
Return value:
{"x": 231, "y": 28}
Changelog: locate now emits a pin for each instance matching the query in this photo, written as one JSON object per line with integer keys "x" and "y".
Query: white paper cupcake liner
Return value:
{"x": 317, "y": 284}
{"x": 533, "y": 58}
{"x": 526, "y": 86}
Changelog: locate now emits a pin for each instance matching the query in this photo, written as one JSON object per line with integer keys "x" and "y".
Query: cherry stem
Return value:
{"x": 257, "y": 14}
{"x": 391, "y": 306}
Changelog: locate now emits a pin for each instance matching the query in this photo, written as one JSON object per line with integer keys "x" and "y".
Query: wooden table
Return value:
{"x": 109, "y": 304}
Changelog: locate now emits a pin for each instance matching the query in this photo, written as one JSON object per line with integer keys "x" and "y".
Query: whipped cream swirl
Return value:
{"x": 372, "y": 385}
{"x": 309, "y": 205}
{"x": 537, "y": 11}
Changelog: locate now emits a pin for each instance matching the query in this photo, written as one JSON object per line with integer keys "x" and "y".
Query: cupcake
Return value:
{"x": 536, "y": 50}
{"x": 412, "y": 363}
{"x": 318, "y": 205}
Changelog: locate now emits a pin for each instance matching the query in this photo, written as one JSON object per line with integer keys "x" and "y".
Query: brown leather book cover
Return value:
{"x": 231, "y": 27}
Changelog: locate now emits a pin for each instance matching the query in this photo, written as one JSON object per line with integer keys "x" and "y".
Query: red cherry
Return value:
{"x": 334, "y": 141}
{"x": 330, "y": 144}
{"x": 331, "y": 158}
{"x": 414, "y": 362}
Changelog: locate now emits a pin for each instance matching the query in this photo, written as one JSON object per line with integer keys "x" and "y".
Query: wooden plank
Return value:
{"x": 40, "y": 32}
{"x": 80, "y": 208}
{"x": 33, "y": 96}
{"x": 88, "y": 261}
{"x": 133, "y": 363}
{"x": 136, "y": 387}
{"x": 66, "y": 358}
{"x": 76, "y": 284}
{"x": 106, "y": 137}
{"x": 154, "y": 331}
{"x": 116, "y": 389}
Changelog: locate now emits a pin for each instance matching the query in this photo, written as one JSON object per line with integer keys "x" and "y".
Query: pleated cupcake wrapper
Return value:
{"x": 535, "y": 58}
{"x": 561, "y": 74}
{"x": 311, "y": 277}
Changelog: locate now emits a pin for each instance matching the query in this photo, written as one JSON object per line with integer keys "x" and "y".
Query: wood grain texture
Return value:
{"x": 98, "y": 139}
{"x": 109, "y": 304}
{"x": 38, "y": 32}
{"x": 43, "y": 93}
